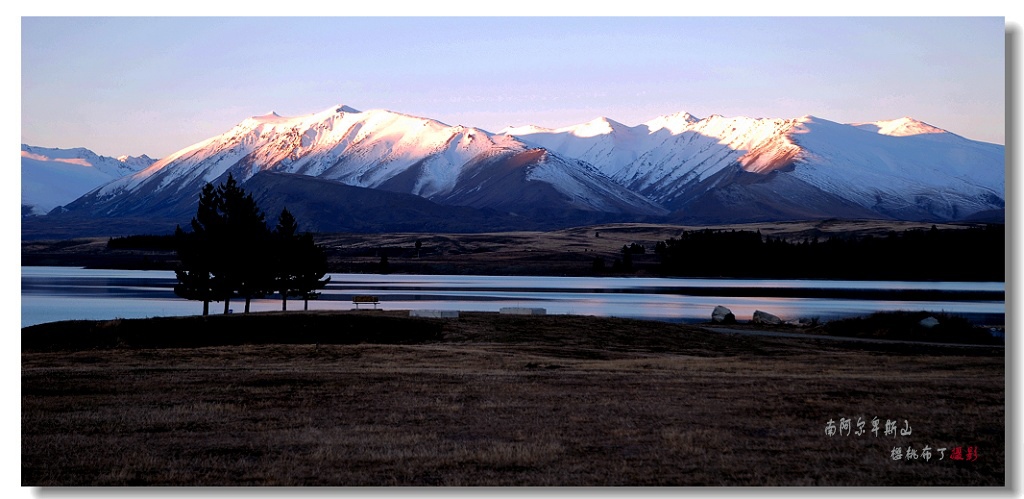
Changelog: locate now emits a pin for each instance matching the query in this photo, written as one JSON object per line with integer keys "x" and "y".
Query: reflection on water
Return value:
{"x": 61, "y": 293}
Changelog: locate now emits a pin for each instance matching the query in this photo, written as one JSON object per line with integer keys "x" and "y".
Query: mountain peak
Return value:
{"x": 274, "y": 117}
{"x": 899, "y": 127}
{"x": 125, "y": 158}
{"x": 523, "y": 130}
{"x": 271, "y": 117}
{"x": 681, "y": 116}
{"x": 907, "y": 126}
{"x": 674, "y": 123}
{"x": 597, "y": 126}
{"x": 338, "y": 109}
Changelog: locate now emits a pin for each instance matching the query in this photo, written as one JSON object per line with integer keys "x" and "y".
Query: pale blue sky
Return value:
{"x": 155, "y": 85}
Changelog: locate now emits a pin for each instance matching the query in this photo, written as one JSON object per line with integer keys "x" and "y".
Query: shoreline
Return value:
{"x": 826, "y": 300}
{"x": 566, "y": 252}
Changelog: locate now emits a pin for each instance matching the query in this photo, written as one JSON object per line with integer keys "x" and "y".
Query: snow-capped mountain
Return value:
{"x": 903, "y": 169}
{"x": 676, "y": 168}
{"x": 378, "y": 149}
{"x": 907, "y": 169}
{"x": 54, "y": 177}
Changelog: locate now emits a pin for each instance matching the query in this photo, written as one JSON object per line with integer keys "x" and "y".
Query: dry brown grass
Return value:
{"x": 510, "y": 401}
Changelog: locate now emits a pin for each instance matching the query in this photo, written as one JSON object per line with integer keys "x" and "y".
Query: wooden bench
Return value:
{"x": 363, "y": 299}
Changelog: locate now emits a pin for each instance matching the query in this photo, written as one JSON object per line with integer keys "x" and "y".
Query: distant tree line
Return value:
{"x": 231, "y": 253}
{"x": 152, "y": 242}
{"x": 618, "y": 265}
{"x": 952, "y": 254}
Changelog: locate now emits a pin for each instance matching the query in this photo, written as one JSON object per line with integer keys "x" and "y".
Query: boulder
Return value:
{"x": 929, "y": 322}
{"x": 722, "y": 315}
{"x": 436, "y": 314}
{"x": 765, "y": 318}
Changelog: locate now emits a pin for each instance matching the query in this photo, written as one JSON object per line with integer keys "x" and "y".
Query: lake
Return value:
{"x": 61, "y": 293}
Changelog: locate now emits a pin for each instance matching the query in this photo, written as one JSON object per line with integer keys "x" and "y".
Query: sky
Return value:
{"x": 154, "y": 85}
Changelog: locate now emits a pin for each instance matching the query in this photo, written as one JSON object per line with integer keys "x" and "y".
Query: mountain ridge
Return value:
{"x": 673, "y": 167}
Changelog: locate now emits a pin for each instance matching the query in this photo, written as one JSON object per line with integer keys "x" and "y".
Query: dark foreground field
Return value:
{"x": 486, "y": 399}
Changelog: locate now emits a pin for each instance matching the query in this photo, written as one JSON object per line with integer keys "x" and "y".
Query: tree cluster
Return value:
{"x": 143, "y": 242}
{"x": 969, "y": 254}
{"x": 230, "y": 252}
{"x": 634, "y": 248}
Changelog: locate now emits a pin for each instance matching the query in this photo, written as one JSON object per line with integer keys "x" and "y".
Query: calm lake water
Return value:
{"x": 61, "y": 293}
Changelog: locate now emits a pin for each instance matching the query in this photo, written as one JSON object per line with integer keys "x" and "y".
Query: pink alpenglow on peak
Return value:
{"x": 386, "y": 150}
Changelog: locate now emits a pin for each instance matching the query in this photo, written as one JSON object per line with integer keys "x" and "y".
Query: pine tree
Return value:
{"x": 245, "y": 238}
{"x": 196, "y": 280}
{"x": 311, "y": 269}
{"x": 194, "y": 277}
{"x": 627, "y": 258}
{"x": 286, "y": 263}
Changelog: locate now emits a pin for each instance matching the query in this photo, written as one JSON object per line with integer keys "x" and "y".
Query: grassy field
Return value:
{"x": 373, "y": 398}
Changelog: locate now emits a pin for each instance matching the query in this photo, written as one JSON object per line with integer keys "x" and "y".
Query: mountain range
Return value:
{"x": 674, "y": 168}
{"x": 55, "y": 177}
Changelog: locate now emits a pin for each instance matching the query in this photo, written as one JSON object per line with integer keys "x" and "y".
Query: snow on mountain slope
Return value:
{"x": 375, "y": 149}
{"x": 341, "y": 143}
{"x": 900, "y": 168}
{"x": 907, "y": 171}
{"x": 900, "y": 127}
{"x": 659, "y": 157}
{"x": 604, "y": 143}
{"x": 54, "y": 177}
{"x": 539, "y": 182}
{"x": 711, "y": 168}
{"x": 705, "y": 148}
{"x": 673, "y": 124}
